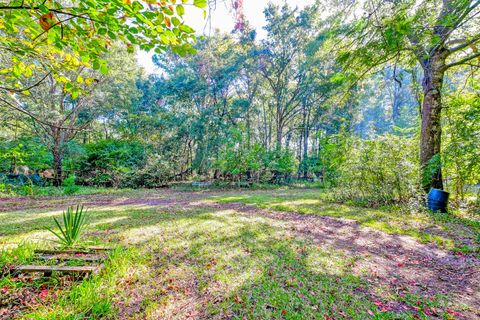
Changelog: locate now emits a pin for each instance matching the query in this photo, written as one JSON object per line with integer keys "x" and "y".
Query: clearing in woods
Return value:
{"x": 283, "y": 254}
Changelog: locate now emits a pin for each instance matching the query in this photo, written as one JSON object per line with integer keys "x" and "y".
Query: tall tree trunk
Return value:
{"x": 299, "y": 155}
{"x": 306, "y": 131}
{"x": 287, "y": 141}
{"x": 397, "y": 101}
{"x": 430, "y": 138}
{"x": 279, "y": 135}
{"x": 57, "y": 153}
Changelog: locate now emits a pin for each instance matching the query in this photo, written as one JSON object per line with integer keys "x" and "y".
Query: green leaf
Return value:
{"x": 43, "y": 9}
{"x": 104, "y": 69}
{"x": 96, "y": 65}
{"x": 200, "y": 3}
{"x": 175, "y": 21}
{"x": 75, "y": 93}
{"x": 180, "y": 10}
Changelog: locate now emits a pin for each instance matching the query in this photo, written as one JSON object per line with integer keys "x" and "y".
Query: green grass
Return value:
{"x": 181, "y": 261}
{"x": 36, "y": 191}
{"x": 454, "y": 231}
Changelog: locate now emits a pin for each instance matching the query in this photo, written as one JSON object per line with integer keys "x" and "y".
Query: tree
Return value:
{"x": 51, "y": 34}
{"x": 58, "y": 115}
{"x": 280, "y": 62}
{"x": 439, "y": 35}
{"x": 197, "y": 96}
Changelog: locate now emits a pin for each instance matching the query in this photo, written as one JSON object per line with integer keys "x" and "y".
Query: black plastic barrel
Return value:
{"x": 438, "y": 200}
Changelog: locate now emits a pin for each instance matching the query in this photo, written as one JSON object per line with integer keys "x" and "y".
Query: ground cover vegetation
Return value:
{"x": 284, "y": 253}
{"x": 253, "y": 175}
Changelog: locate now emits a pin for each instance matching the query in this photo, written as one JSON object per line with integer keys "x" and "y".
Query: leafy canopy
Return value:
{"x": 39, "y": 37}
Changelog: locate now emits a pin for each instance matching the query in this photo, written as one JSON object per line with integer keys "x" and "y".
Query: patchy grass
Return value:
{"x": 456, "y": 231}
{"x": 191, "y": 260}
{"x": 36, "y": 191}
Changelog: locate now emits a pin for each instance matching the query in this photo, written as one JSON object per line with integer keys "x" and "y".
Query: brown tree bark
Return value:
{"x": 431, "y": 131}
{"x": 279, "y": 134}
{"x": 57, "y": 154}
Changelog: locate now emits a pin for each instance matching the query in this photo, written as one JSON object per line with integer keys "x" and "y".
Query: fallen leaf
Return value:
{"x": 453, "y": 313}
{"x": 43, "y": 294}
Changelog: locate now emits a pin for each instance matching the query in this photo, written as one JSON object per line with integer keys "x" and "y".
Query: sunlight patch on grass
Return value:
{"x": 142, "y": 234}
{"x": 215, "y": 263}
{"x": 15, "y": 218}
{"x": 35, "y": 237}
{"x": 108, "y": 221}
{"x": 326, "y": 262}
{"x": 389, "y": 221}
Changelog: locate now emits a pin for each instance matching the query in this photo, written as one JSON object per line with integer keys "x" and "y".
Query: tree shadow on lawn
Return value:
{"x": 447, "y": 230}
{"x": 398, "y": 262}
{"x": 217, "y": 263}
{"x": 238, "y": 261}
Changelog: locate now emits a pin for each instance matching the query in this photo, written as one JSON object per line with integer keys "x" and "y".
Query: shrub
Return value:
{"x": 108, "y": 162}
{"x": 461, "y": 143}
{"x": 280, "y": 164}
{"x": 379, "y": 171}
{"x": 69, "y": 186}
{"x": 6, "y": 189}
{"x": 24, "y": 151}
{"x": 156, "y": 172}
{"x": 239, "y": 162}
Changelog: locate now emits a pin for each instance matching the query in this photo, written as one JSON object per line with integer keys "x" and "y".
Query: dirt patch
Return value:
{"x": 19, "y": 204}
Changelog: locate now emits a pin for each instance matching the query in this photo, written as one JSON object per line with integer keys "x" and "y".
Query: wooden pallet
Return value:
{"x": 90, "y": 254}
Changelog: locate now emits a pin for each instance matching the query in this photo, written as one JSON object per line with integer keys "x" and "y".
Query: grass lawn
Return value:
{"x": 270, "y": 254}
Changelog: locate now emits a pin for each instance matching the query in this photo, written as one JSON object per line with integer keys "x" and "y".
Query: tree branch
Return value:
{"x": 462, "y": 61}
{"x": 464, "y": 44}
{"x": 28, "y": 88}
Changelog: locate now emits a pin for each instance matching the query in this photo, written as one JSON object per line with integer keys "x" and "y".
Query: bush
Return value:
{"x": 379, "y": 171}
{"x": 461, "y": 143}
{"x": 6, "y": 189}
{"x": 24, "y": 151}
{"x": 69, "y": 186}
{"x": 107, "y": 163}
{"x": 280, "y": 164}
{"x": 156, "y": 173}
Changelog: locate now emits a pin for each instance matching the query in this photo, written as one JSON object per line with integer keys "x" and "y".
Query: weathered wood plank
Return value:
{"x": 100, "y": 248}
{"x": 73, "y": 251}
{"x": 65, "y": 269}
{"x": 63, "y": 257}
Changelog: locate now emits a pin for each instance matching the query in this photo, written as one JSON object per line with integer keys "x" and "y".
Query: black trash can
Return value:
{"x": 438, "y": 200}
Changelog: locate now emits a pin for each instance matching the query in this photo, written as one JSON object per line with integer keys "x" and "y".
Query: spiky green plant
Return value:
{"x": 73, "y": 225}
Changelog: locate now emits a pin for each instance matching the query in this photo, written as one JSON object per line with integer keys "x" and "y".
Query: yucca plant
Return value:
{"x": 73, "y": 224}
